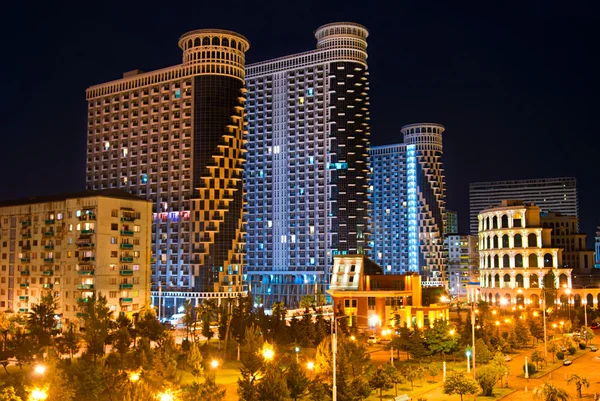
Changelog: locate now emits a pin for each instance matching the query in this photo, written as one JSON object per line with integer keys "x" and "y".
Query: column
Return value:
{"x": 493, "y": 281}
{"x": 526, "y": 279}
{"x": 539, "y": 238}
{"x": 512, "y": 280}
{"x": 511, "y": 240}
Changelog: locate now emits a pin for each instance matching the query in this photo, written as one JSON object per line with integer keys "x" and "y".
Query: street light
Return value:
{"x": 268, "y": 353}
{"x": 38, "y": 394}
{"x": 165, "y": 396}
{"x": 297, "y": 350}
{"x": 468, "y": 353}
{"x": 39, "y": 369}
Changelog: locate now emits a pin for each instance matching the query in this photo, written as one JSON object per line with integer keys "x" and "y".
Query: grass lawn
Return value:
{"x": 557, "y": 364}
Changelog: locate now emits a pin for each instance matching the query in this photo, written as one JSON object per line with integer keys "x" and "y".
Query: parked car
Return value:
{"x": 593, "y": 348}
{"x": 563, "y": 349}
{"x": 567, "y": 362}
{"x": 507, "y": 358}
{"x": 373, "y": 340}
{"x": 595, "y": 326}
{"x": 385, "y": 340}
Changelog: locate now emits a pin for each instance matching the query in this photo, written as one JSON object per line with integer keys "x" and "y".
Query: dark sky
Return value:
{"x": 514, "y": 82}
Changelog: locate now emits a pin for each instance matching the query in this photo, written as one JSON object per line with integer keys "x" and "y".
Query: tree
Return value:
{"x": 297, "y": 381}
{"x": 206, "y": 391}
{"x": 252, "y": 363}
{"x": 97, "y": 322}
{"x": 553, "y": 349}
{"x": 501, "y": 367}
{"x": 41, "y": 322}
{"x": 68, "y": 343}
{"x": 319, "y": 391}
{"x": 433, "y": 371}
{"x": 395, "y": 376}
{"x": 587, "y": 334}
{"x": 273, "y": 386}
{"x": 458, "y": 383}
{"x": 487, "y": 376}
{"x": 324, "y": 358}
{"x": 380, "y": 381}
{"x": 536, "y": 329}
{"x": 549, "y": 392}
{"x": 307, "y": 301}
{"x": 9, "y": 394}
{"x": 439, "y": 338}
{"x": 522, "y": 333}
{"x": 194, "y": 360}
{"x": 580, "y": 382}
{"x": 483, "y": 354}
{"x": 147, "y": 326}
{"x": 538, "y": 358}
{"x": 416, "y": 345}
{"x": 412, "y": 373}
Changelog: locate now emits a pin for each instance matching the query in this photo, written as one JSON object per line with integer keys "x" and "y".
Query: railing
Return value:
{"x": 85, "y": 286}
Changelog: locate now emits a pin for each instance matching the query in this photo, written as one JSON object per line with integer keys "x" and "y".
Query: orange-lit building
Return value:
{"x": 372, "y": 299}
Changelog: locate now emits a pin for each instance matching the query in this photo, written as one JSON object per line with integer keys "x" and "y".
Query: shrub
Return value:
{"x": 572, "y": 350}
{"x": 560, "y": 355}
{"x": 531, "y": 369}
{"x": 582, "y": 346}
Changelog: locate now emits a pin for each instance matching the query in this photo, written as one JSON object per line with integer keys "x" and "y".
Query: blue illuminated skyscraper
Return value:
{"x": 408, "y": 204}
{"x": 306, "y": 175}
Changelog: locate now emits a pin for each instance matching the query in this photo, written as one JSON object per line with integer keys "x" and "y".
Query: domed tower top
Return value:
{"x": 221, "y": 50}
{"x": 330, "y": 35}
{"x": 424, "y": 134}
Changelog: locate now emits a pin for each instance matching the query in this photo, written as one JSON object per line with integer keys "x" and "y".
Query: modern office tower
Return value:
{"x": 451, "y": 222}
{"x": 408, "y": 204}
{"x": 517, "y": 256}
{"x": 76, "y": 245}
{"x": 463, "y": 262}
{"x": 307, "y": 167}
{"x": 175, "y": 136}
{"x": 549, "y": 194}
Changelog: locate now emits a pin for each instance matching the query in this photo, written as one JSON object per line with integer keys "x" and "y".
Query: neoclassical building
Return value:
{"x": 516, "y": 255}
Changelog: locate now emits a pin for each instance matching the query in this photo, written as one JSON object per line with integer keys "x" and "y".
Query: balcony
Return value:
{"x": 48, "y": 260}
{"x": 86, "y": 272}
{"x": 127, "y": 233}
{"x": 49, "y": 234}
{"x": 127, "y": 259}
{"x": 25, "y": 223}
{"x": 126, "y": 246}
{"x": 26, "y": 247}
{"x": 82, "y": 300}
{"x": 24, "y": 272}
{"x": 87, "y": 259}
{"x": 125, "y": 272}
{"x": 23, "y": 310}
{"x": 125, "y": 286}
{"x": 126, "y": 300}
{"x": 26, "y": 235}
{"x": 49, "y": 221}
{"x": 47, "y": 286}
{"x": 86, "y": 245}
{"x": 24, "y": 285}
{"x": 25, "y": 260}
{"x": 48, "y": 273}
{"x": 80, "y": 314}
{"x": 49, "y": 247}
{"x": 87, "y": 217}
{"x": 24, "y": 298}
{"x": 85, "y": 286}
{"x": 127, "y": 219}
{"x": 87, "y": 232}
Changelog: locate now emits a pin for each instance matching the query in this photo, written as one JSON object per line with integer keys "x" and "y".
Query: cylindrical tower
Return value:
{"x": 516, "y": 259}
{"x": 343, "y": 35}
{"x": 218, "y": 141}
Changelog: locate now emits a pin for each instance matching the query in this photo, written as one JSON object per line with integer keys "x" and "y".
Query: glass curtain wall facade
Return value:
{"x": 307, "y": 169}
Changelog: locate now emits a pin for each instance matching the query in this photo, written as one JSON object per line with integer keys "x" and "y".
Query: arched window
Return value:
{"x": 197, "y": 42}
{"x": 489, "y": 261}
{"x": 533, "y": 260}
{"x": 518, "y": 260}
{"x": 488, "y": 223}
{"x": 495, "y": 222}
{"x": 532, "y": 240}
{"x": 488, "y": 243}
{"x": 505, "y": 261}
{"x": 518, "y": 239}
{"x": 496, "y": 242}
{"x": 519, "y": 281}
{"x": 189, "y": 44}
{"x": 507, "y": 278}
{"x": 225, "y": 42}
{"x": 233, "y": 43}
{"x": 496, "y": 261}
{"x": 504, "y": 221}
{"x": 563, "y": 280}
{"x": 534, "y": 281}
{"x": 497, "y": 281}
{"x": 517, "y": 220}
{"x": 505, "y": 241}
{"x": 206, "y": 41}
{"x": 547, "y": 260}
{"x": 216, "y": 41}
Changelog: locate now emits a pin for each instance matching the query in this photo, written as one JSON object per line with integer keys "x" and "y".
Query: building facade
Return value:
{"x": 463, "y": 262}
{"x": 550, "y": 194}
{"x": 307, "y": 168}
{"x": 451, "y": 222}
{"x": 408, "y": 204}
{"x": 373, "y": 301}
{"x": 74, "y": 246}
{"x": 176, "y": 137}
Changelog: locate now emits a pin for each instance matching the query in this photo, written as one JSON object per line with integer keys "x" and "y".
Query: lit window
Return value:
{"x": 310, "y": 92}
{"x": 293, "y": 238}
{"x": 312, "y": 229}
{"x": 284, "y": 239}
{"x": 78, "y": 213}
{"x": 106, "y": 145}
{"x": 144, "y": 178}
{"x": 301, "y": 100}
{"x": 269, "y": 223}
{"x": 125, "y": 151}
{"x": 177, "y": 94}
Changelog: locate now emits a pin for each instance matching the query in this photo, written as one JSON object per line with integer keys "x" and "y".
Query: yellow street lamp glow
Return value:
{"x": 166, "y": 396}
{"x": 554, "y": 325}
{"x": 214, "y": 364}
{"x": 352, "y": 338}
{"x": 494, "y": 312}
{"x": 503, "y": 301}
{"x": 452, "y": 332}
{"x": 497, "y": 323}
{"x": 268, "y": 352}
{"x": 39, "y": 369}
{"x": 310, "y": 365}
{"x": 568, "y": 290}
{"x": 134, "y": 377}
{"x": 535, "y": 314}
{"x": 38, "y": 394}
{"x": 562, "y": 323}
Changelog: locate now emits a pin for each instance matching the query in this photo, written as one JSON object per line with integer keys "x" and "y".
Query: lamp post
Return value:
{"x": 38, "y": 394}
{"x": 297, "y": 350}
{"x": 473, "y": 334}
{"x": 568, "y": 292}
{"x": 468, "y": 353}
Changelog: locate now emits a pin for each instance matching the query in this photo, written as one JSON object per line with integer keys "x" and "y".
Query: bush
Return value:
{"x": 582, "y": 346}
{"x": 560, "y": 356}
{"x": 572, "y": 350}
{"x": 531, "y": 369}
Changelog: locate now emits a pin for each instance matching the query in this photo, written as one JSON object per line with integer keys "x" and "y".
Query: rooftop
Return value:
{"x": 107, "y": 193}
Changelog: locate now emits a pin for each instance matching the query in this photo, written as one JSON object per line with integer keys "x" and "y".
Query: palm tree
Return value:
{"x": 549, "y": 392}
{"x": 580, "y": 382}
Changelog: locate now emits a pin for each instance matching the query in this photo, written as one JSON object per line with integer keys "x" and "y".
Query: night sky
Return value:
{"x": 515, "y": 83}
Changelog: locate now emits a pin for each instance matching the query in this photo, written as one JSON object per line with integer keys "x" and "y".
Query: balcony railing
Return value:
{"x": 23, "y": 298}
{"x": 125, "y": 286}
{"x": 48, "y": 273}
{"x": 24, "y": 285}
{"x": 85, "y": 245}
{"x": 82, "y": 300}
{"x": 26, "y": 235}
{"x": 127, "y": 232}
{"x": 126, "y": 246}
{"x": 87, "y": 232}
{"x": 127, "y": 259}
{"x": 49, "y": 234}
{"x": 23, "y": 310}
{"x": 25, "y": 260}
{"x": 49, "y": 221}
{"x": 85, "y": 286}
{"x": 127, "y": 219}
{"x": 87, "y": 259}
{"x": 125, "y": 272}
{"x": 24, "y": 272}
{"x": 49, "y": 247}
{"x": 48, "y": 260}
{"x": 126, "y": 300}
{"x": 86, "y": 272}
{"x": 47, "y": 286}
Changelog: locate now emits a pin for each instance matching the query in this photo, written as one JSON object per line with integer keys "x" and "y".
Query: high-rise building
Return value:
{"x": 307, "y": 167}
{"x": 408, "y": 204}
{"x": 451, "y": 222}
{"x": 463, "y": 262}
{"x": 74, "y": 246}
{"x": 549, "y": 194}
{"x": 176, "y": 136}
